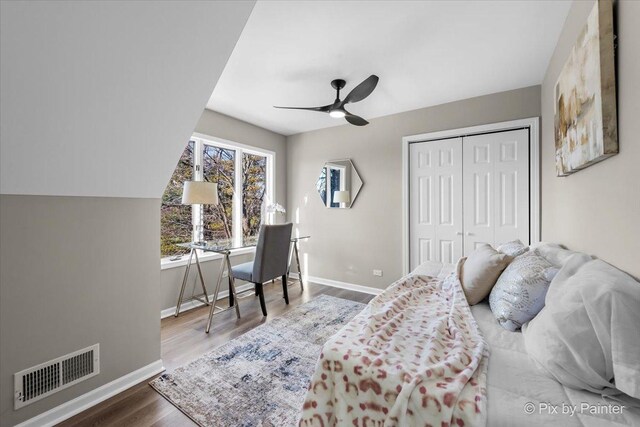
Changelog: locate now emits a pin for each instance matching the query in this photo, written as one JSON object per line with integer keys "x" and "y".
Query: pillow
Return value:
{"x": 554, "y": 253}
{"x": 519, "y": 293}
{"x": 479, "y": 272}
{"x": 569, "y": 267}
{"x": 588, "y": 335}
{"x": 513, "y": 248}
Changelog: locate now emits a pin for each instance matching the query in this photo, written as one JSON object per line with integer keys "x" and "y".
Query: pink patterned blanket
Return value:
{"x": 413, "y": 357}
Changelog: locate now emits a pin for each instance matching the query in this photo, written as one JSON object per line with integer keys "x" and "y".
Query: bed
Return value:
{"x": 517, "y": 393}
{"x": 513, "y": 381}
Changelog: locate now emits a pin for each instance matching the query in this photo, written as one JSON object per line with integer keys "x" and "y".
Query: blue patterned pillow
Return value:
{"x": 520, "y": 290}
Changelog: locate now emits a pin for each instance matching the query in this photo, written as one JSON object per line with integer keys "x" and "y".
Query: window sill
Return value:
{"x": 167, "y": 263}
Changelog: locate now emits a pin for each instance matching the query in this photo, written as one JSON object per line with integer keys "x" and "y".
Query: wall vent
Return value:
{"x": 33, "y": 384}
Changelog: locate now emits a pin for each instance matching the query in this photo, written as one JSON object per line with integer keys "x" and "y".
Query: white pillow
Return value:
{"x": 513, "y": 248}
{"x": 520, "y": 291}
{"x": 553, "y": 252}
{"x": 479, "y": 271}
{"x": 588, "y": 334}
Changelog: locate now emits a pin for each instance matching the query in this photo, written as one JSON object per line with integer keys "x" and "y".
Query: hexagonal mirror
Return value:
{"x": 339, "y": 184}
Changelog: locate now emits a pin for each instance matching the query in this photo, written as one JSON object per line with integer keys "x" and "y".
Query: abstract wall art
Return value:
{"x": 585, "y": 96}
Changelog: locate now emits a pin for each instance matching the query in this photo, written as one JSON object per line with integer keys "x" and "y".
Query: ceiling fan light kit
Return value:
{"x": 337, "y": 110}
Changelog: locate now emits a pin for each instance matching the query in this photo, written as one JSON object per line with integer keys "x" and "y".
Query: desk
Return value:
{"x": 295, "y": 241}
{"x": 223, "y": 247}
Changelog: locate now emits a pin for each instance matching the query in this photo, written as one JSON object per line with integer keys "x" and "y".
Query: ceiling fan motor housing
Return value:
{"x": 338, "y": 84}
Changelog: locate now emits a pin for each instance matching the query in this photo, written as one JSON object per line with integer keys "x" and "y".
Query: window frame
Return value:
{"x": 199, "y": 141}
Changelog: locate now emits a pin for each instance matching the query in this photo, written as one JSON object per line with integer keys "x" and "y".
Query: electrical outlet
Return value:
{"x": 377, "y": 273}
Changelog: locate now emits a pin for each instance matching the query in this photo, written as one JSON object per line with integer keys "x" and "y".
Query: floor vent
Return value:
{"x": 40, "y": 381}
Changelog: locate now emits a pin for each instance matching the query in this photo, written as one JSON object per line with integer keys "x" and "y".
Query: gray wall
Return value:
{"x": 75, "y": 271}
{"x": 218, "y": 125}
{"x": 347, "y": 244}
{"x": 597, "y": 210}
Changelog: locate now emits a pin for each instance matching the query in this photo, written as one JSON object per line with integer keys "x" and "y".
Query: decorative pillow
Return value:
{"x": 519, "y": 292}
{"x": 479, "y": 272}
{"x": 513, "y": 248}
{"x": 588, "y": 334}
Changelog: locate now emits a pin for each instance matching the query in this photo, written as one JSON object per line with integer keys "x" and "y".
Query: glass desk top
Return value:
{"x": 226, "y": 245}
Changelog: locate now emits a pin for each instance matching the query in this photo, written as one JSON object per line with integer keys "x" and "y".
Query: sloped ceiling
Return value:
{"x": 425, "y": 53}
{"x": 100, "y": 98}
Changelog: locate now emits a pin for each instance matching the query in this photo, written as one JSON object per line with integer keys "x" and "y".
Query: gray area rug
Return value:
{"x": 261, "y": 377}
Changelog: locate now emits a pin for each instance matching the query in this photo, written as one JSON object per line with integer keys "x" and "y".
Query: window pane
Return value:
{"x": 254, "y": 185}
{"x": 219, "y": 167}
{"x": 175, "y": 218}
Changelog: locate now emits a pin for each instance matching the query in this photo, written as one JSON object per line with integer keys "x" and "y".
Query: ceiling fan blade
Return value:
{"x": 363, "y": 90}
{"x": 323, "y": 109}
{"x": 355, "y": 120}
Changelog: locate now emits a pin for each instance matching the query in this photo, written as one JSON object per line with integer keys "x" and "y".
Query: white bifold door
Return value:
{"x": 435, "y": 201}
{"x": 467, "y": 191}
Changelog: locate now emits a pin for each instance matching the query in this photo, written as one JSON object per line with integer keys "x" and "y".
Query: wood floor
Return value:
{"x": 183, "y": 339}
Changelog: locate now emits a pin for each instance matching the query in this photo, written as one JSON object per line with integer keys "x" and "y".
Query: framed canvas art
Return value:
{"x": 585, "y": 118}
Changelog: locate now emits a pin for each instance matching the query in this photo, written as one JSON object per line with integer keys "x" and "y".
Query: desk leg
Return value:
{"x": 215, "y": 294}
{"x": 295, "y": 250}
{"x": 184, "y": 283}
{"x": 232, "y": 287}
{"x": 204, "y": 289}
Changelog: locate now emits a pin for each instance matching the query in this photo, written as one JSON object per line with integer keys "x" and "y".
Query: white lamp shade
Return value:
{"x": 341, "y": 197}
{"x": 199, "y": 193}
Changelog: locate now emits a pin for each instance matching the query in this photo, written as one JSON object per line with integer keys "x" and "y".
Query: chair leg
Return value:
{"x": 284, "y": 289}
{"x": 263, "y": 305}
{"x": 256, "y": 288}
{"x": 231, "y": 301}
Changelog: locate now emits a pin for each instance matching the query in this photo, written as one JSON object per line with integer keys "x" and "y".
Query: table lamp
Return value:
{"x": 341, "y": 197}
{"x": 199, "y": 193}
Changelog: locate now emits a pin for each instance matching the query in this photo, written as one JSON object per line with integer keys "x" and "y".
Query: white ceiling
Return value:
{"x": 425, "y": 53}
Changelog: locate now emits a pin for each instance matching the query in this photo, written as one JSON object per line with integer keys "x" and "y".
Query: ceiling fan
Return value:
{"x": 337, "y": 110}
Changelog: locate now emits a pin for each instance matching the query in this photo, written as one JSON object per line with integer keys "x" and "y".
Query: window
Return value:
{"x": 245, "y": 183}
{"x": 175, "y": 218}
{"x": 254, "y": 187}
{"x": 218, "y": 166}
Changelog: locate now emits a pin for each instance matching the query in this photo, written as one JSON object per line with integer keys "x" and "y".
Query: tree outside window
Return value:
{"x": 242, "y": 175}
{"x": 175, "y": 218}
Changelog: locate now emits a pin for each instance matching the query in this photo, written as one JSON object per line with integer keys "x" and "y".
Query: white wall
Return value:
{"x": 597, "y": 210}
{"x": 98, "y": 97}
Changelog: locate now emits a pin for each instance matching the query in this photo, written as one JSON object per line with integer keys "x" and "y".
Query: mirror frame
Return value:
{"x": 354, "y": 173}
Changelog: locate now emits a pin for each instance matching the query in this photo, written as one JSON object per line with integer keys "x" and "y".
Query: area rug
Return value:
{"x": 261, "y": 377}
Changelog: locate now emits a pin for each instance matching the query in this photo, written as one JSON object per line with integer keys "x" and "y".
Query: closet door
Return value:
{"x": 496, "y": 188}
{"x": 435, "y": 207}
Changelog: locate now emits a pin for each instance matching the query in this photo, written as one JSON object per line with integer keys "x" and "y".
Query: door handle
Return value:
{"x": 469, "y": 233}
{"x": 458, "y": 233}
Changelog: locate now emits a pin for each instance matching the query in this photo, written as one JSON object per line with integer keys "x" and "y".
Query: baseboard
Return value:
{"x": 68, "y": 409}
{"x": 342, "y": 285}
{"x": 189, "y": 305}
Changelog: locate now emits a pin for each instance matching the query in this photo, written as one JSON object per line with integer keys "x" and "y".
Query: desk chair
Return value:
{"x": 271, "y": 260}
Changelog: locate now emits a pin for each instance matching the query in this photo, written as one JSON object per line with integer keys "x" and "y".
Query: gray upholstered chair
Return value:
{"x": 271, "y": 260}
